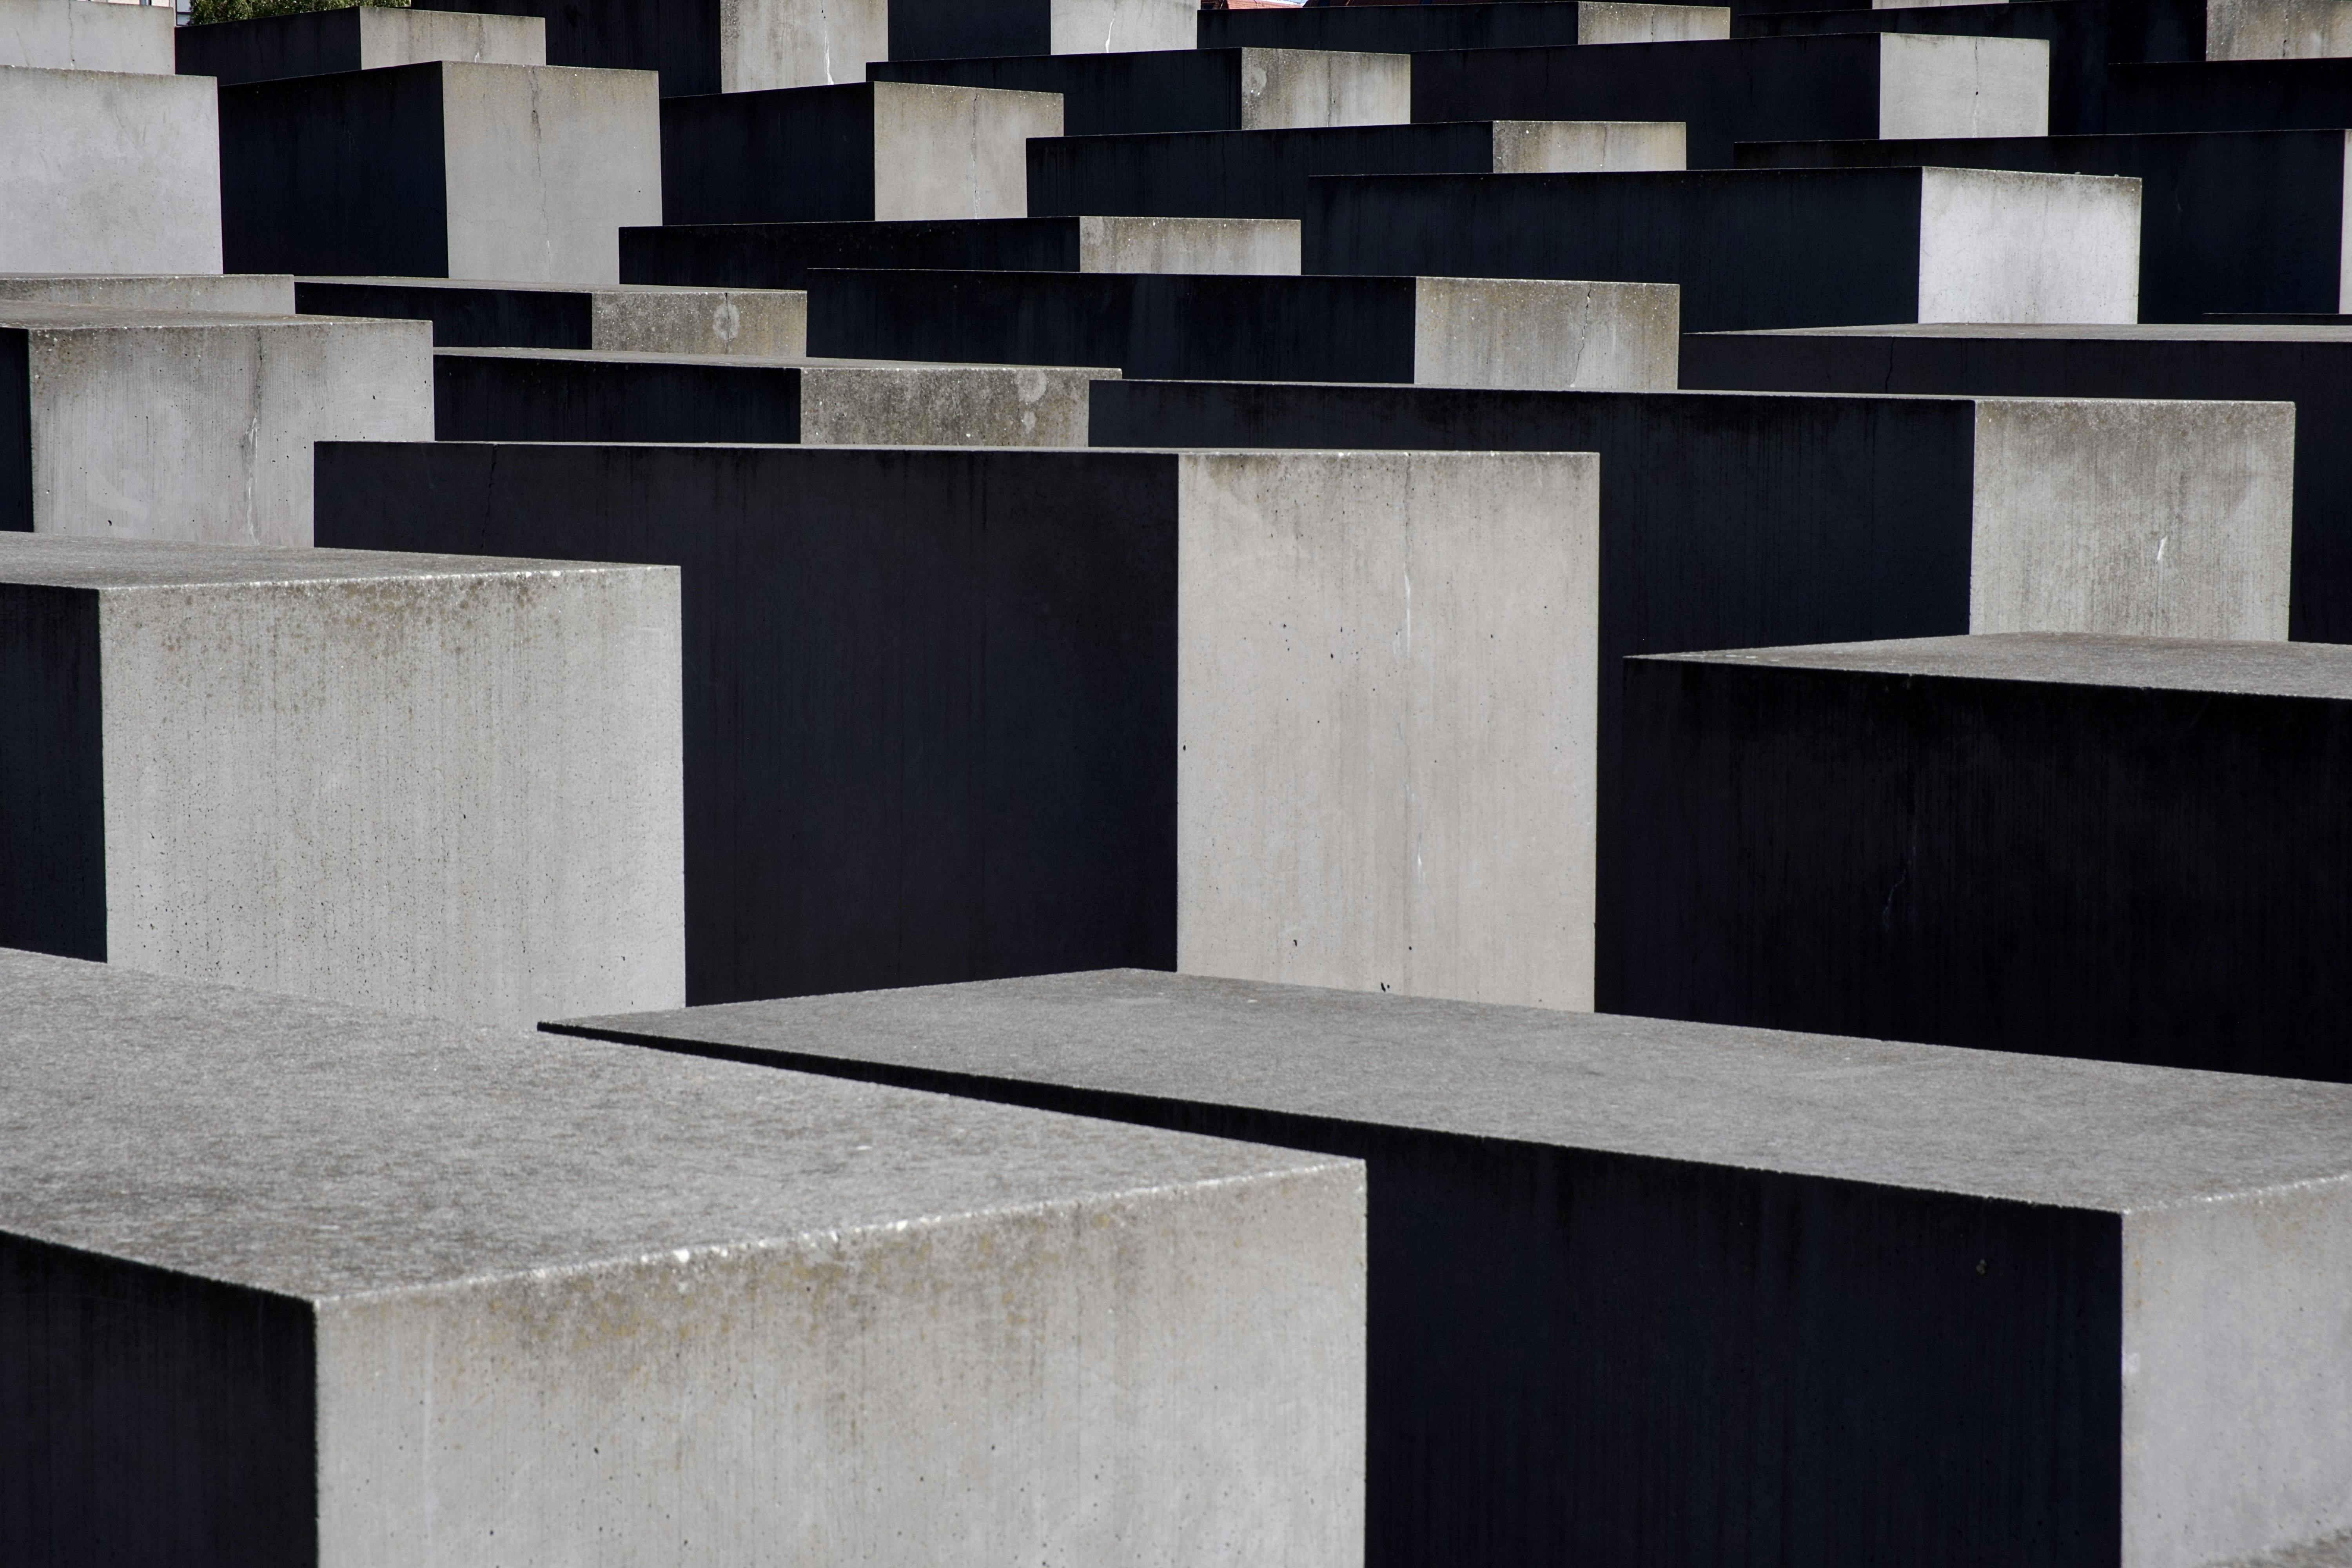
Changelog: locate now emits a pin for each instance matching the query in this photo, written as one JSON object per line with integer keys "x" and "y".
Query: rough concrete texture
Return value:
{"x": 2309, "y": 365}
{"x": 2277, "y": 29}
{"x": 521, "y": 173}
{"x": 108, "y": 172}
{"x": 448, "y": 786}
{"x": 765, "y": 44}
{"x": 956, "y": 29}
{"x": 1537, "y": 333}
{"x": 764, "y": 323}
{"x": 1386, "y": 679}
{"x": 1761, "y": 247}
{"x": 1999, "y": 245}
{"x": 1588, "y": 146}
{"x": 324, "y": 1285}
{"x": 780, "y": 255}
{"x": 1205, "y": 90}
{"x": 362, "y": 38}
{"x": 857, "y": 153}
{"x": 75, "y": 36}
{"x": 2169, "y": 520}
{"x": 1755, "y": 89}
{"x": 1404, "y": 30}
{"x": 549, "y": 394}
{"x": 1462, "y": 331}
{"x": 164, "y": 425}
{"x": 1635, "y": 1283}
{"x": 235, "y": 293}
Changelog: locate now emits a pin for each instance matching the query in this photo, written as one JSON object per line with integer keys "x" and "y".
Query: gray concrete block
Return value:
{"x": 1265, "y": 174}
{"x": 2111, "y": 849}
{"x": 1756, "y": 89}
{"x": 74, "y": 36}
{"x": 2231, "y": 221}
{"x": 700, "y": 47}
{"x": 319, "y": 1284}
{"x": 108, "y": 172}
{"x": 1419, "y": 30}
{"x": 779, "y": 255}
{"x": 1438, "y": 331}
{"x": 1191, "y": 89}
{"x": 1745, "y": 522}
{"x": 167, "y": 424}
{"x": 440, "y": 785}
{"x": 521, "y": 173}
{"x": 763, "y": 324}
{"x": 2310, "y": 366}
{"x": 857, "y": 153}
{"x": 2230, "y": 95}
{"x": 360, "y": 37}
{"x": 1091, "y": 707}
{"x": 1638, "y": 1287}
{"x": 2277, "y": 29}
{"x": 1764, "y": 247}
{"x": 551, "y": 394}
{"x": 957, "y": 29}
{"x": 235, "y": 293}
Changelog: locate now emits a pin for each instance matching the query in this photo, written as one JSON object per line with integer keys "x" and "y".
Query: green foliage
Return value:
{"x": 246, "y": 10}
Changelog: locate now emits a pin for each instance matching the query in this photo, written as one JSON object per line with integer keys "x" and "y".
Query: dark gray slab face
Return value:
{"x": 2309, "y": 365}
{"x": 2235, "y": 221}
{"x": 1122, "y": 94}
{"x": 679, "y": 39}
{"x": 780, "y": 255}
{"x": 840, "y": 715}
{"x": 2129, "y": 851}
{"x": 321, "y": 43}
{"x": 1636, "y": 1285}
{"x": 1725, "y": 90}
{"x": 2230, "y": 95}
{"x": 285, "y": 1271}
{"x": 1396, "y": 29}
{"x": 1313, "y": 329}
{"x": 2085, "y": 35}
{"x": 492, "y": 394}
{"x": 1248, "y": 173}
{"x": 464, "y": 316}
{"x": 1748, "y": 249}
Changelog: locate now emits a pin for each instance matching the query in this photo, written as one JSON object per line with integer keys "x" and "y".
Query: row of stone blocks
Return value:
{"x": 1441, "y": 1280}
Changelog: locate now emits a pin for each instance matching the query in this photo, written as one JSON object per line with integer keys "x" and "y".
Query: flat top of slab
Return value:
{"x": 2042, "y": 1130}
{"x": 45, "y": 315}
{"x": 501, "y": 286}
{"x": 2072, "y": 659}
{"x": 325, "y": 1150}
{"x": 2146, "y": 331}
{"x": 61, "y": 560}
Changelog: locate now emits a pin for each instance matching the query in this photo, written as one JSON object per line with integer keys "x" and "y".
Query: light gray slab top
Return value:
{"x": 2082, "y": 1134}
{"x": 65, "y": 561}
{"x": 323, "y": 1151}
{"x": 2068, "y": 659}
{"x": 898, "y": 367}
{"x": 2122, "y": 331}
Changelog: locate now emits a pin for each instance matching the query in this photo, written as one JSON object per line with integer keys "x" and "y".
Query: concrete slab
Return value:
{"x": 552, "y": 394}
{"x": 73, "y": 35}
{"x": 235, "y": 293}
{"x": 962, "y": 714}
{"x": 1191, "y": 89}
{"x": 1743, "y": 521}
{"x": 957, "y": 29}
{"x": 1437, "y": 332}
{"x": 1417, "y": 29}
{"x": 746, "y": 46}
{"x": 2311, "y": 367}
{"x": 1636, "y": 1285}
{"x": 1265, "y": 173}
{"x": 108, "y": 172}
{"x": 329, "y": 1285}
{"x": 779, "y": 255}
{"x": 1999, "y": 842}
{"x": 2230, "y": 95}
{"x": 1756, "y": 89}
{"x": 445, "y": 785}
{"x": 856, "y": 153}
{"x": 360, "y": 38}
{"x": 1763, "y": 248}
{"x": 2235, "y": 221}
{"x": 169, "y": 425}
{"x": 2277, "y": 29}
{"x": 522, "y": 173}
{"x": 618, "y": 317}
